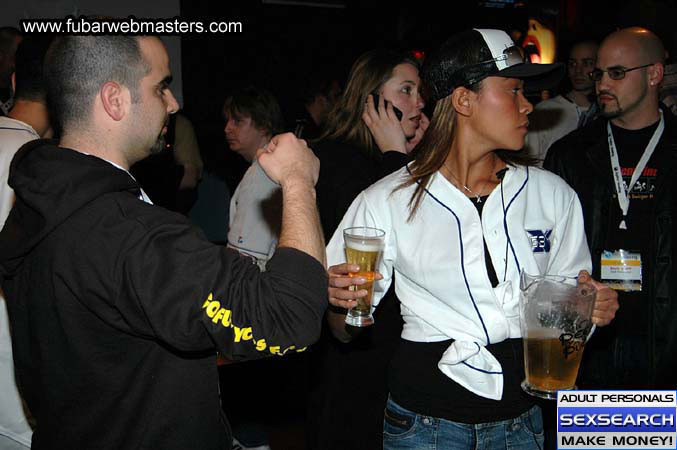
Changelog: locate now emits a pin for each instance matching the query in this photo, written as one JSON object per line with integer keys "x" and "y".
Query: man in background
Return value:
{"x": 558, "y": 116}
{"x": 624, "y": 169}
{"x": 318, "y": 95}
{"x": 10, "y": 38}
{"x": 27, "y": 120}
{"x": 253, "y": 116}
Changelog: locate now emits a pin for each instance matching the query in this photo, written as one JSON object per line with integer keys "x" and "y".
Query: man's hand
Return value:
{"x": 339, "y": 281}
{"x": 606, "y": 300}
{"x": 286, "y": 159}
{"x": 384, "y": 125}
{"x": 289, "y": 162}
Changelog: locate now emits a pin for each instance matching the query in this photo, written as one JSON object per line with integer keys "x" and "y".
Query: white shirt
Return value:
{"x": 550, "y": 121}
{"x": 256, "y": 215}
{"x": 13, "y": 423}
{"x": 442, "y": 281}
{"x": 13, "y": 134}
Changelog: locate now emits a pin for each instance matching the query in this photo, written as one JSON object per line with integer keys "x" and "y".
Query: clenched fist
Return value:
{"x": 286, "y": 159}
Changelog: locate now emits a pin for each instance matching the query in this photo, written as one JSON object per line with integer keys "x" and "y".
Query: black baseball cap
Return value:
{"x": 442, "y": 75}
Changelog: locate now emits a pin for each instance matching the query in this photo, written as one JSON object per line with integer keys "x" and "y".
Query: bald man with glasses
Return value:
{"x": 624, "y": 168}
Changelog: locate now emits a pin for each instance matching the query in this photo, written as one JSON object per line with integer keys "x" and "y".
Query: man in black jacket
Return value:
{"x": 118, "y": 307}
{"x": 624, "y": 168}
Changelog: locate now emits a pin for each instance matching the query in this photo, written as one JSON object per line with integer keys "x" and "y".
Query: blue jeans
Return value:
{"x": 404, "y": 429}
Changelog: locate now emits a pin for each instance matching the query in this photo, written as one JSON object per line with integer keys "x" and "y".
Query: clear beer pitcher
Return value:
{"x": 555, "y": 320}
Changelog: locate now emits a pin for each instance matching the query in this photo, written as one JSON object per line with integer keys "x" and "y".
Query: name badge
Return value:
{"x": 622, "y": 270}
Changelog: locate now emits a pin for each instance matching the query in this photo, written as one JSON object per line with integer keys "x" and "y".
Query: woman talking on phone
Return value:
{"x": 459, "y": 222}
{"x": 370, "y": 130}
{"x": 368, "y": 134}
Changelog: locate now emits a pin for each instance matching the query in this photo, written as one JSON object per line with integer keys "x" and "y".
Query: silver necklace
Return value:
{"x": 478, "y": 195}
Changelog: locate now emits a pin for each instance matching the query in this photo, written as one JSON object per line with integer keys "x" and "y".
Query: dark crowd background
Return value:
{"x": 285, "y": 42}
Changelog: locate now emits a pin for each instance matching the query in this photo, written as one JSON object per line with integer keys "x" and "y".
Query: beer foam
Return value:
{"x": 365, "y": 246}
{"x": 542, "y": 333}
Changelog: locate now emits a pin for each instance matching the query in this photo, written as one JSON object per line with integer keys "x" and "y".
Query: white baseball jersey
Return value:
{"x": 532, "y": 221}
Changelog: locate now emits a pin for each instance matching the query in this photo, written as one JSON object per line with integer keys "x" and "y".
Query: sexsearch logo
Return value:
{"x": 616, "y": 419}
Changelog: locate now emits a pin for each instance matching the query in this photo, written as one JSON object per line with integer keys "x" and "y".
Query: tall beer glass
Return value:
{"x": 364, "y": 247}
{"x": 555, "y": 320}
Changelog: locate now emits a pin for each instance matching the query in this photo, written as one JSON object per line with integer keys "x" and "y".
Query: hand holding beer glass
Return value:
{"x": 555, "y": 320}
{"x": 364, "y": 247}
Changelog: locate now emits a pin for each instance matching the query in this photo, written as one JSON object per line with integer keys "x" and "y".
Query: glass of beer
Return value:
{"x": 555, "y": 320}
{"x": 364, "y": 247}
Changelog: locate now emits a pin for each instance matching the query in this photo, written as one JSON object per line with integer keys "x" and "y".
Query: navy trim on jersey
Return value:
{"x": 482, "y": 370}
{"x": 460, "y": 239}
{"x": 505, "y": 221}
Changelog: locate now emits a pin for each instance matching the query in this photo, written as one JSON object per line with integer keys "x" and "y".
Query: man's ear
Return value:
{"x": 13, "y": 81}
{"x": 462, "y": 98}
{"x": 116, "y": 100}
{"x": 655, "y": 73}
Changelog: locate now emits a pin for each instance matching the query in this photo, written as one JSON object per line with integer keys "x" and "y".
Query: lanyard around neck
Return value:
{"x": 621, "y": 191}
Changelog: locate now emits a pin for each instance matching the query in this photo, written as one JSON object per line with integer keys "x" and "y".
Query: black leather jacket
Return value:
{"x": 582, "y": 159}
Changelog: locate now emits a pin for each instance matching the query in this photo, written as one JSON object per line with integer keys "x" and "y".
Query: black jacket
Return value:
{"x": 118, "y": 307}
{"x": 345, "y": 171}
{"x": 582, "y": 159}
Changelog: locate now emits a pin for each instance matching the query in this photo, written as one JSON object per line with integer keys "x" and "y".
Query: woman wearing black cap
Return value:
{"x": 461, "y": 222}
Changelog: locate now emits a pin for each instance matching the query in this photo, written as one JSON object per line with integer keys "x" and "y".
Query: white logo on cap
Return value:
{"x": 498, "y": 41}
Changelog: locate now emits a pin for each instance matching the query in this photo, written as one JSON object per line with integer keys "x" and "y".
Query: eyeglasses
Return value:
{"x": 615, "y": 73}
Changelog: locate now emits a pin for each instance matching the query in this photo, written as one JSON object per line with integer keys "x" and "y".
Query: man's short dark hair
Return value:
{"x": 8, "y": 41}
{"x": 77, "y": 66}
{"x": 315, "y": 85}
{"x": 28, "y": 68}
{"x": 260, "y": 105}
{"x": 7, "y": 37}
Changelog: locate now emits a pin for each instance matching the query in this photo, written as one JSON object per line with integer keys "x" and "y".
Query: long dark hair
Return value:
{"x": 368, "y": 74}
{"x": 461, "y": 50}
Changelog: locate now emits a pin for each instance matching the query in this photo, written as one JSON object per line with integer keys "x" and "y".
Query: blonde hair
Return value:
{"x": 368, "y": 74}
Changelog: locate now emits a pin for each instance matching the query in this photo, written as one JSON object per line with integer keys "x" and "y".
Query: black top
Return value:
{"x": 630, "y": 145}
{"x": 118, "y": 307}
{"x": 416, "y": 382}
{"x": 487, "y": 257}
{"x": 345, "y": 171}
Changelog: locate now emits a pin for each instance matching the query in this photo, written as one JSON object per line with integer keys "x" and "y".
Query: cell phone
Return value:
{"x": 398, "y": 113}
